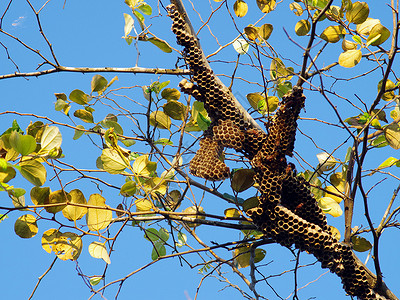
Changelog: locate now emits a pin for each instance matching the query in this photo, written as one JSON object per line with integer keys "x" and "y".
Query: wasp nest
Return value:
{"x": 206, "y": 163}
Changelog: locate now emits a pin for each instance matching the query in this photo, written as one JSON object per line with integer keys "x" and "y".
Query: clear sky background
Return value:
{"x": 88, "y": 33}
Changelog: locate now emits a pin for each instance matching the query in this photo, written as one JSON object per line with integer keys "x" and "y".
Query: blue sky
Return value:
{"x": 89, "y": 34}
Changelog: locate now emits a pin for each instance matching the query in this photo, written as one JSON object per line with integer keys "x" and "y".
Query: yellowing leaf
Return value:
{"x": 358, "y": 13}
{"x": 265, "y": 31}
{"x": 332, "y": 34}
{"x": 25, "y": 226}
{"x": 128, "y": 189}
{"x": 240, "y": 8}
{"x": 278, "y": 71}
{"x": 143, "y": 167}
{"x": 33, "y": 171}
{"x": 175, "y": 109}
{"x": 98, "y": 218}
{"x": 161, "y": 44}
{"x": 391, "y": 161}
{"x": 7, "y": 174}
{"x": 326, "y": 162}
{"x": 392, "y": 135}
{"x": 170, "y": 94}
{"x": 39, "y": 195}
{"x": 98, "y": 84}
{"x": 112, "y": 161}
{"x": 360, "y": 244}
{"x": 302, "y": 27}
{"x": 95, "y": 280}
{"x": 84, "y": 115}
{"x": 378, "y": 35}
{"x": 128, "y": 24}
{"x": 160, "y": 120}
{"x": 365, "y": 27}
{"x": 242, "y": 180}
{"x": 348, "y": 45}
{"x": 72, "y": 212}
{"x": 143, "y": 205}
{"x": 242, "y": 255}
{"x": 79, "y": 97}
{"x": 251, "y": 33}
{"x": 330, "y": 206}
{"x": 254, "y": 98}
{"x": 57, "y": 197}
{"x": 350, "y": 58}
{"x": 99, "y": 250}
{"x": 194, "y": 210}
{"x": 387, "y": 96}
{"x": 266, "y": 6}
{"x": 250, "y": 203}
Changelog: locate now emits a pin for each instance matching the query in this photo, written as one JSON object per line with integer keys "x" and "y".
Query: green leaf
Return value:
{"x": 78, "y": 133}
{"x": 23, "y": 144}
{"x": 26, "y": 226}
{"x": 161, "y": 44}
{"x": 33, "y": 171}
{"x": 158, "y": 250}
{"x": 268, "y": 105}
{"x": 164, "y": 142}
{"x": 84, "y": 115}
{"x": 145, "y": 8}
{"x": 72, "y": 212}
{"x": 17, "y": 196}
{"x": 112, "y": 161}
{"x": 203, "y": 121}
{"x": 99, "y": 250}
{"x": 379, "y": 142}
{"x": 61, "y": 105}
{"x": 283, "y": 88}
{"x": 242, "y": 179}
{"x": 95, "y": 280}
{"x": 128, "y": 189}
{"x": 78, "y": 97}
{"x": 357, "y": 39}
{"x": 242, "y": 255}
{"x": 392, "y": 135}
{"x": 98, "y": 218}
{"x": 98, "y": 84}
{"x": 51, "y": 138}
{"x": 112, "y": 124}
{"x": 360, "y": 244}
{"x": 160, "y": 120}
{"x": 250, "y": 203}
{"x": 152, "y": 234}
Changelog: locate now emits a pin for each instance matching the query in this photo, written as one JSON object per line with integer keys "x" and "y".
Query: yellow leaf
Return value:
{"x": 378, "y": 35}
{"x": 332, "y": 192}
{"x": 232, "y": 213}
{"x": 332, "y": 34}
{"x": 194, "y": 210}
{"x": 160, "y": 120}
{"x": 72, "y": 212}
{"x": 99, "y": 250}
{"x": 330, "y": 206}
{"x": 387, "y": 96}
{"x": 392, "y": 135}
{"x": 142, "y": 166}
{"x": 302, "y": 27}
{"x": 69, "y": 246}
{"x": 25, "y": 226}
{"x": 335, "y": 232}
{"x": 265, "y": 31}
{"x": 98, "y": 218}
{"x": 296, "y": 8}
{"x": 350, "y": 58}
{"x": 240, "y": 8}
{"x": 266, "y": 6}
